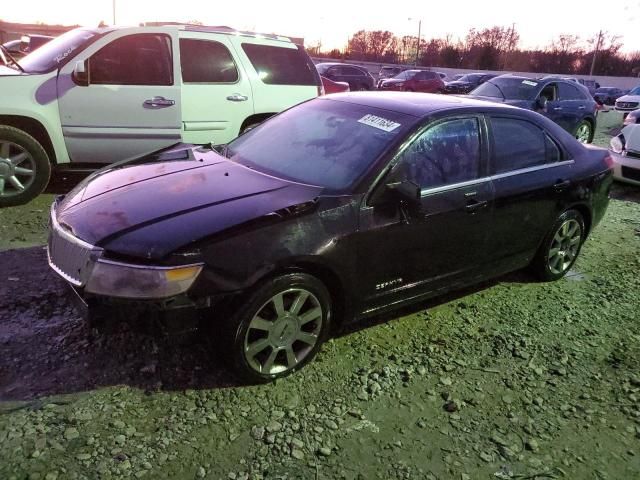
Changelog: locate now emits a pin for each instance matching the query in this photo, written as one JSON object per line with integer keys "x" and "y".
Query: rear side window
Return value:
{"x": 569, "y": 92}
{"x": 353, "y": 71}
{"x": 141, "y": 59}
{"x": 279, "y": 65}
{"x": 205, "y": 61}
{"x": 519, "y": 144}
{"x": 430, "y": 75}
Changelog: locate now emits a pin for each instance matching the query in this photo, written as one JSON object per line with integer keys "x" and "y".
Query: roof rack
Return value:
{"x": 217, "y": 29}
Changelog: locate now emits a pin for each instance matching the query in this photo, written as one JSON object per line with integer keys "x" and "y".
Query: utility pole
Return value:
{"x": 595, "y": 53}
{"x": 114, "y": 11}
{"x": 418, "y": 47}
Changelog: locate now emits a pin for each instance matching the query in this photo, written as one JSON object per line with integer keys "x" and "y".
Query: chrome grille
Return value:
{"x": 69, "y": 256}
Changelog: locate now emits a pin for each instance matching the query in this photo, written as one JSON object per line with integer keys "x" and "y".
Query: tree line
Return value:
{"x": 495, "y": 48}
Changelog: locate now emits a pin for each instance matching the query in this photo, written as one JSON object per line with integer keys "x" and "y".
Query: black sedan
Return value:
{"x": 608, "y": 95}
{"x": 357, "y": 77}
{"x": 339, "y": 208}
{"x": 565, "y": 102}
{"x": 466, "y": 83}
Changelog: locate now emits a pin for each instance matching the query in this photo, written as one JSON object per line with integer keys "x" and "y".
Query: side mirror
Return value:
{"x": 541, "y": 102}
{"x": 405, "y": 190}
{"x": 80, "y": 74}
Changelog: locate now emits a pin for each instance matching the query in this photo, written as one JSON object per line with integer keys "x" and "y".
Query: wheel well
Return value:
{"x": 33, "y": 128}
{"x": 586, "y": 215}
{"x": 257, "y": 118}
{"x": 331, "y": 281}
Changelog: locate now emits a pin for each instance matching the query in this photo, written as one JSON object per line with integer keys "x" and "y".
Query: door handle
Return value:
{"x": 159, "y": 102}
{"x": 237, "y": 97}
{"x": 556, "y": 109}
{"x": 561, "y": 185}
{"x": 474, "y": 205}
{"x": 581, "y": 107}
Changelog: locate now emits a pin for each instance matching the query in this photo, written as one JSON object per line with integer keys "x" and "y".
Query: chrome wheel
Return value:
{"x": 283, "y": 332}
{"x": 583, "y": 134}
{"x": 564, "y": 246}
{"x": 17, "y": 169}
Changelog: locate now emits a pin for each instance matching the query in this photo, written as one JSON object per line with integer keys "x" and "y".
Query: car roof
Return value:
{"x": 419, "y": 104}
{"x": 331, "y": 64}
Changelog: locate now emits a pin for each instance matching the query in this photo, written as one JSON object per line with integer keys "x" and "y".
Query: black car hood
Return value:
{"x": 151, "y": 208}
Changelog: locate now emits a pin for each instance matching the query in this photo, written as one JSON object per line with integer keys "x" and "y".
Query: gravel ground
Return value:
{"x": 513, "y": 380}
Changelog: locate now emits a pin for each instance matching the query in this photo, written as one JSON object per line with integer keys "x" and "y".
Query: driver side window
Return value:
{"x": 550, "y": 92}
{"x": 444, "y": 154}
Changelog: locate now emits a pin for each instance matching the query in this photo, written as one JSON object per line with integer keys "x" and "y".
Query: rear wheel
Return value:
{"x": 584, "y": 132}
{"x": 561, "y": 247}
{"x": 24, "y": 167}
{"x": 279, "y": 328}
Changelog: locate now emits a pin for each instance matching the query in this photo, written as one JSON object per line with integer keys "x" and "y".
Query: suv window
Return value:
{"x": 205, "y": 61}
{"x": 279, "y": 65}
{"x": 445, "y": 154}
{"x": 430, "y": 75}
{"x": 352, "y": 71}
{"x": 518, "y": 144}
{"x": 569, "y": 92}
{"x": 140, "y": 59}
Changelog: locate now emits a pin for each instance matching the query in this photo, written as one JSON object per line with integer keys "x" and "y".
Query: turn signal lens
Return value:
{"x": 617, "y": 144}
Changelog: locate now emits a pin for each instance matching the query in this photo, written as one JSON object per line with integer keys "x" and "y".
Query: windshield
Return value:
{"x": 58, "y": 51}
{"x": 406, "y": 75}
{"x": 322, "y": 142}
{"x": 635, "y": 91}
{"x": 469, "y": 78}
{"x": 508, "y": 88}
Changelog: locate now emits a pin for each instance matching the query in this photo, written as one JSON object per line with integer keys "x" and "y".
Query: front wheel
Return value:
{"x": 24, "y": 167}
{"x": 560, "y": 248}
{"x": 584, "y": 132}
{"x": 279, "y": 328}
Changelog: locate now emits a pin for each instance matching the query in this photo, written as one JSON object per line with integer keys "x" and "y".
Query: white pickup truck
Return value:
{"x": 101, "y": 95}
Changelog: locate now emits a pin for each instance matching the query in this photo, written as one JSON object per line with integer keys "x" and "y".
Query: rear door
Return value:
{"x": 573, "y": 104}
{"x": 132, "y": 105}
{"x": 216, "y": 91}
{"x": 531, "y": 177}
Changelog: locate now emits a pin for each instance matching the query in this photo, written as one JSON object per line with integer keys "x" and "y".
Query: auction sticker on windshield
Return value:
{"x": 530, "y": 83}
{"x": 379, "y": 122}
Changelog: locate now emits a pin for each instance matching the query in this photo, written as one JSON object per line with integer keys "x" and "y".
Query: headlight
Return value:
{"x": 632, "y": 118}
{"x": 617, "y": 144}
{"x": 123, "y": 280}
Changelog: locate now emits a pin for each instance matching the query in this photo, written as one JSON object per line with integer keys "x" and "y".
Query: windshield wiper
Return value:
{"x": 6, "y": 55}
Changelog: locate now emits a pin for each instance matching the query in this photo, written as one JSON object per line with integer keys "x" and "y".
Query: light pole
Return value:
{"x": 418, "y": 44}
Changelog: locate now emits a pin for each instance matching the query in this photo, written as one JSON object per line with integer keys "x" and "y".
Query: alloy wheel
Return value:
{"x": 583, "y": 134}
{"x": 17, "y": 169}
{"x": 564, "y": 246}
{"x": 283, "y": 332}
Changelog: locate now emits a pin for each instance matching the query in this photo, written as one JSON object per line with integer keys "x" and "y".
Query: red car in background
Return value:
{"x": 334, "y": 87}
{"x": 414, "y": 81}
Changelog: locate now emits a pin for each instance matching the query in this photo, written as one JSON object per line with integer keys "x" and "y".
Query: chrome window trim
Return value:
{"x": 454, "y": 186}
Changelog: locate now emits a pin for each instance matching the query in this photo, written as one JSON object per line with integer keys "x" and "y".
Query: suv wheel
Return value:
{"x": 584, "y": 132}
{"x": 24, "y": 167}
{"x": 561, "y": 247}
{"x": 279, "y": 328}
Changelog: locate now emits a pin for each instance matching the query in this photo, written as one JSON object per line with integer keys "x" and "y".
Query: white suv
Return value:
{"x": 97, "y": 96}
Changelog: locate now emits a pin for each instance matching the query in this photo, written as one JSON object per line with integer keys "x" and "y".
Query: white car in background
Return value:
{"x": 95, "y": 96}
{"x": 629, "y": 102}
{"x": 625, "y": 151}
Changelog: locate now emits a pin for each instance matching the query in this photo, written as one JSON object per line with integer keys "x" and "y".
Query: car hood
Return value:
{"x": 151, "y": 207}
{"x": 628, "y": 98}
{"x": 632, "y": 137}
{"x": 458, "y": 83}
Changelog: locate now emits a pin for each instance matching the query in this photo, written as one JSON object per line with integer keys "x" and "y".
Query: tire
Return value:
{"x": 584, "y": 132}
{"x": 258, "y": 343}
{"x": 251, "y": 126}
{"x": 560, "y": 247}
{"x": 21, "y": 153}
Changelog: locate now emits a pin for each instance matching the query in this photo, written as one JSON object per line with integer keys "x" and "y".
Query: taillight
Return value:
{"x": 608, "y": 160}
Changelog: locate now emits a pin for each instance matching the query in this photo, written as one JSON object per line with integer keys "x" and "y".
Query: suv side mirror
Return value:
{"x": 80, "y": 74}
{"x": 405, "y": 190}
{"x": 541, "y": 102}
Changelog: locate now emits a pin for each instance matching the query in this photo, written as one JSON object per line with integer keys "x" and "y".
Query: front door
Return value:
{"x": 410, "y": 252}
{"x": 131, "y": 105}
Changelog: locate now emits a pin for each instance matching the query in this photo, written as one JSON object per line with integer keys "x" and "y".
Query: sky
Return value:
{"x": 331, "y": 22}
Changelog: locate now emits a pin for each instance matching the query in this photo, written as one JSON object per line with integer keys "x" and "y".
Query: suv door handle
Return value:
{"x": 557, "y": 108}
{"x": 159, "y": 102}
{"x": 581, "y": 107}
{"x": 237, "y": 97}
{"x": 561, "y": 185}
